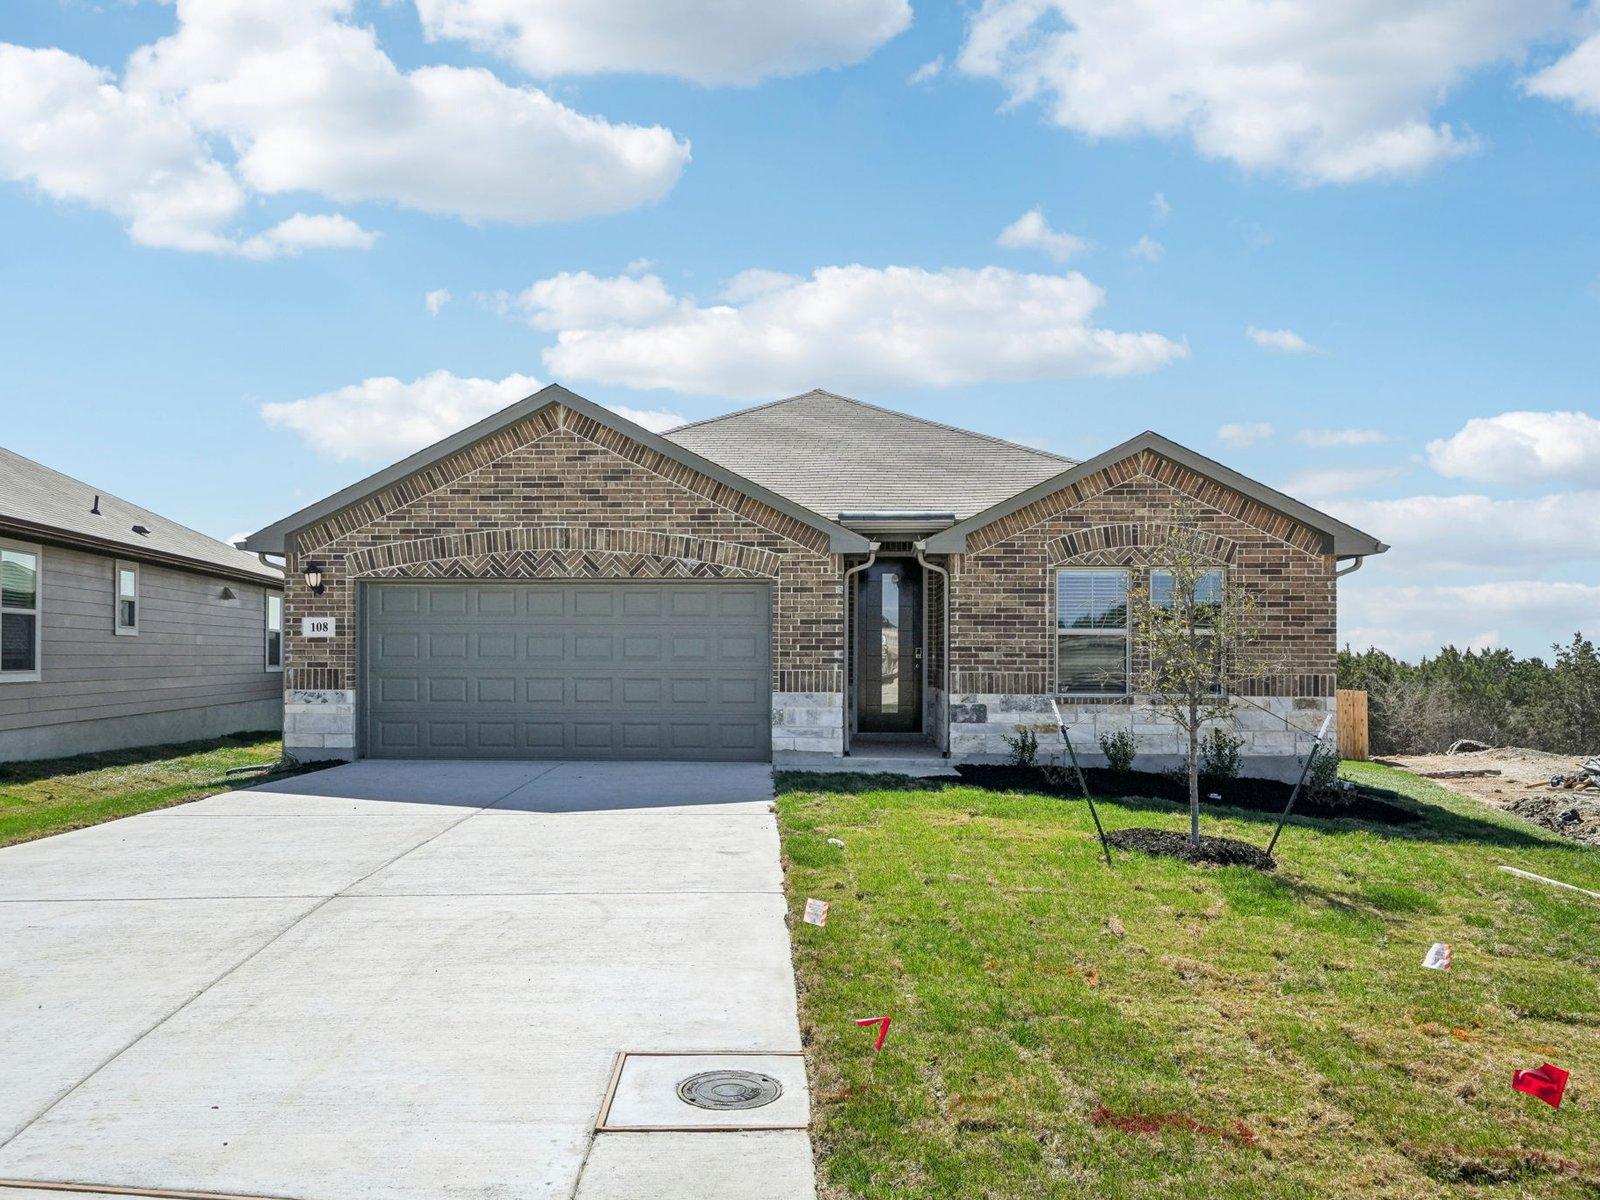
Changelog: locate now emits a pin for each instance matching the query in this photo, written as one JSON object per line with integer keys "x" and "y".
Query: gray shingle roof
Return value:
{"x": 833, "y": 455}
{"x": 34, "y": 500}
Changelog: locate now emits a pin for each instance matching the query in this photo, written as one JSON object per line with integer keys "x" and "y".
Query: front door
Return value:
{"x": 889, "y": 648}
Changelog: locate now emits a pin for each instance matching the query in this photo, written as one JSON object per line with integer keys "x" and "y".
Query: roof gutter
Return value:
{"x": 897, "y": 522}
{"x": 51, "y": 536}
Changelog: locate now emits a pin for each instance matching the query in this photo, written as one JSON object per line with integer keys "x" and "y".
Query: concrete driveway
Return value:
{"x": 401, "y": 982}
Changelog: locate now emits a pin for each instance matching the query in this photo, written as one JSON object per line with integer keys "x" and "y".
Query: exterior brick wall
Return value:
{"x": 1003, "y": 599}
{"x": 560, "y": 496}
{"x": 1002, "y": 636}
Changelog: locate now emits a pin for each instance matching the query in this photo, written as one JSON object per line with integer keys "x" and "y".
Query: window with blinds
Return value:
{"x": 1092, "y": 633}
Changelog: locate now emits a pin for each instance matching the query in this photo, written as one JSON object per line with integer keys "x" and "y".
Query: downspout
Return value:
{"x": 1353, "y": 567}
{"x": 944, "y": 645}
{"x": 849, "y": 683}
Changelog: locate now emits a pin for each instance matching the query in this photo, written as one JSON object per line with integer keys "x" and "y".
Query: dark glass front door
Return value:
{"x": 889, "y": 648}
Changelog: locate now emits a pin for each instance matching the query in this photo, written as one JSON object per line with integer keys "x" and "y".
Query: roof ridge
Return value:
{"x": 739, "y": 412}
{"x": 893, "y": 412}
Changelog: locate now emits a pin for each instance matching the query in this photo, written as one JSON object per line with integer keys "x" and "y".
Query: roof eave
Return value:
{"x": 70, "y": 539}
{"x": 1342, "y": 541}
{"x": 274, "y": 538}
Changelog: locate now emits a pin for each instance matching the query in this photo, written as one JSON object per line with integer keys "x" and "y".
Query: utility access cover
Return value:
{"x": 729, "y": 1089}
{"x": 707, "y": 1091}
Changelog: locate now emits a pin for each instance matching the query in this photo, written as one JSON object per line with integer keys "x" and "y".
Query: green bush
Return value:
{"x": 1219, "y": 754}
{"x": 1120, "y": 748}
{"x": 1024, "y": 747}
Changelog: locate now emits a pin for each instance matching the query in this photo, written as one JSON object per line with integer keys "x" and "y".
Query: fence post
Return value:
{"x": 1352, "y": 724}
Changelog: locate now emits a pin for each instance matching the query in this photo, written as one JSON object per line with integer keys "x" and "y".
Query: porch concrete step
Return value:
{"x": 934, "y": 766}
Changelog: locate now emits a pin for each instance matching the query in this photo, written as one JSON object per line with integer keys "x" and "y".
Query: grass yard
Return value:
{"x": 1156, "y": 1030}
{"x": 58, "y": 794}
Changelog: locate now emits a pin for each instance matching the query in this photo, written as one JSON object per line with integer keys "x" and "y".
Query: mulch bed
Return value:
{"x": 1224, "y": 852}
{"x": 1259, "y": 795}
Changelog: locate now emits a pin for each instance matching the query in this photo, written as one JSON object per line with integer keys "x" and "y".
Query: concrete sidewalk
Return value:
{"x": 396, "y": 981}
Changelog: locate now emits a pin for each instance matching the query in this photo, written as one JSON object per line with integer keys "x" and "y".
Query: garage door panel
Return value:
{"x": 613, "y": 670}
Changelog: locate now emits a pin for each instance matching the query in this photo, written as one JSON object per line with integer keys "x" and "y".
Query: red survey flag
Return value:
{"x": 882, "y": 1033}
{"x": 1546, "y": 1083}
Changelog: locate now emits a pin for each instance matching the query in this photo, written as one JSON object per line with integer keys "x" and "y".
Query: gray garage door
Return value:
{"x": 567, "y": 670}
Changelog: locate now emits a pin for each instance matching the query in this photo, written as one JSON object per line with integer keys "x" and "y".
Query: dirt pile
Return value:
{"x": 1576, "y": 816}
{"x": 1520, "y": 784}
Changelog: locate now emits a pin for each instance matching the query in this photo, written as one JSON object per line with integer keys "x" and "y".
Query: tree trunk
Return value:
{"x": 1194, "y": 784}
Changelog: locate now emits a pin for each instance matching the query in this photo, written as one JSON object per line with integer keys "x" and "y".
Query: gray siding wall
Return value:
{"x": 195, "y": 669}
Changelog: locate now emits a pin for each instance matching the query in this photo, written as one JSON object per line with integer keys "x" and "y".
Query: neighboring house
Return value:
{"x": 120, "y": 628}
{"x": 798, "y": 581}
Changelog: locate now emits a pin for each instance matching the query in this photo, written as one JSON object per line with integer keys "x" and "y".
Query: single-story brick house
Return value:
{"x": 121, "y": 628}
{"x": 796, "y": 582}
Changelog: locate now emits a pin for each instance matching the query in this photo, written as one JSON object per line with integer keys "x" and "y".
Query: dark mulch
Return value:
{"x": 1258, "y": 795}
{"x": 1224, "y": 852}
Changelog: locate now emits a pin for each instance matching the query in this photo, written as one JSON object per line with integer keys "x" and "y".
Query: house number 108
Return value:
{"x": 316, "y": 627}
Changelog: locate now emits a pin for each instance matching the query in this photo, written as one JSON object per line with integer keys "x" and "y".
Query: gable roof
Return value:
{"x": 1344, "y": 541}
{"x": 833, "y": 455}
{"x": 38, "y": 503}
{"x": 271, "y": 540}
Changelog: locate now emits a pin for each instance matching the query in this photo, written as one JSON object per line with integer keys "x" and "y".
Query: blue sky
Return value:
{"x": 221, "y": 231}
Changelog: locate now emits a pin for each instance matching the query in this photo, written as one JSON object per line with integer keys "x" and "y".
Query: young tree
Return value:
{"x": 1193, "y": 627}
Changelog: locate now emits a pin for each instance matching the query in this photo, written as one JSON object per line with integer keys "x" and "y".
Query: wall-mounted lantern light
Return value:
{"x": 314, "y": 578}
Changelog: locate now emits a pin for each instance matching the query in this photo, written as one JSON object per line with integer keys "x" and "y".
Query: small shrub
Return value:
{"x": 1219, "y": 754}
{"x": 1120, "y": 748}
{"x": 1324, "y": 773}
{"x": 1024, "y": 747}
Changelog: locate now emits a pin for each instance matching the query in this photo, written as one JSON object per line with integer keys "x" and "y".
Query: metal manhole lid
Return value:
{"x": 729, "y": 1089}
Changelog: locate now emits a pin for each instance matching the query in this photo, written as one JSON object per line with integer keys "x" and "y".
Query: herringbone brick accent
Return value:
{"x": 562, "y": 497}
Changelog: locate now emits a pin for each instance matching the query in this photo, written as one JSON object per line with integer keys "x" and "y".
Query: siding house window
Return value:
{"x": 19, "y": 612}
{"x": 1092, "y": 633}
{"x": 127, "y": 597}
{"x": 274, "y": 632}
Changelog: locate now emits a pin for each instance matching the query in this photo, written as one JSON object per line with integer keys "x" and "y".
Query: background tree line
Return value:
{"x": 1490, "y": 695}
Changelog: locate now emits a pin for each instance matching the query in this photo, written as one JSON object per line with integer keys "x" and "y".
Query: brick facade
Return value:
{"x": 1002, "y": 620}
{"x": 558, "y": 496}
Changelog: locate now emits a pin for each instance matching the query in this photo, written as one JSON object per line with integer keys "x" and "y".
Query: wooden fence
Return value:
{"x": 1352, "y": 724}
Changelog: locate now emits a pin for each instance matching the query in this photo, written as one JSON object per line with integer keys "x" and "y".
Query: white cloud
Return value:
{"x": 855, "y": 327}
{"x": 1411, "y": 621}
{"x": 655, "y": 420}
{"x": 730, "y": 42}
{"x": 638, "y": 266}
{"x": 307, "y": 102}
{"x": 384, "y": 418}
{"x": 1521, "y": 448}
{"x": 436, "y": 300}
{"x": 1575, "y": 78}
{"x": 1148, "y": 249}
{"x": 1317, "y": 483}
{"x": 1286, "y": 340}
{"x": 927, "y": 72}
{"x": 301, "y": 232}
{"x": 1330, "y": 93}
{"x": 1477, "y": 533}
{"x": 1160, "y": 210}
{"x": 1334, "y": 438}
{"x": 1031, "y": 231}
{"x": 1241, "y": 436}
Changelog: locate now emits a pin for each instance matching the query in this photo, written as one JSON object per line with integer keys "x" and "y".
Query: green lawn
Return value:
{"x": 58, "y": 794}
{"x": 1061, "y": 1029}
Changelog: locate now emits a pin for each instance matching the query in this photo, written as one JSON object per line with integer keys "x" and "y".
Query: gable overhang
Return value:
{"x": 274, "y": 539}
{"x": 897, "y": 524}
{"x": 1339, "y": 539}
